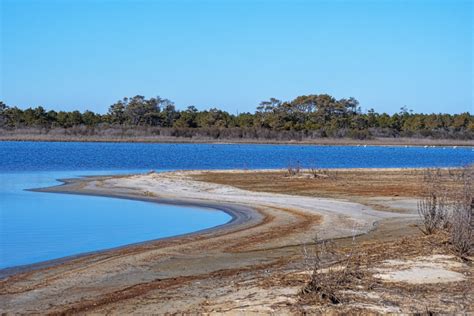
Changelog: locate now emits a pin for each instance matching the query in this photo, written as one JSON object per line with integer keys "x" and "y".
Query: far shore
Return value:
{"x": 402, "y": 141}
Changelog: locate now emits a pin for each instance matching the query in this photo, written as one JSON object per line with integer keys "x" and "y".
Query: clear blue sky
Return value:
{"x": 233, "y": 54}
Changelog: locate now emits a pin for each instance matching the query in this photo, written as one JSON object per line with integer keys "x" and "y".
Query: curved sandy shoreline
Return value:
{"x": 239, "y": 215}
{"x": 265, "y": 227}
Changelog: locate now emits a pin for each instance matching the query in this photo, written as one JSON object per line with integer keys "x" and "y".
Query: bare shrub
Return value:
{"x": 462, "y": 218}
{"x": 294, "y": 170}
{"x": 447, "y": 204}
{"x": 433, "y": 206}
{"x": 461, "y": 235}
{"x": 331, "y": 272}
{"x": 433, "y": 212}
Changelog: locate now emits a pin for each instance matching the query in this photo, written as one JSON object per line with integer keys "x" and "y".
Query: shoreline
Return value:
{"x": 267, "y": 232}
{"x": 383, "y": 142}
{"x": 239, "y": 215}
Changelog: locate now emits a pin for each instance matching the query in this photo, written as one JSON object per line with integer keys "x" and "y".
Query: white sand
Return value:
{"x": 340, "y": 218}
{"x": 421, "y": 270}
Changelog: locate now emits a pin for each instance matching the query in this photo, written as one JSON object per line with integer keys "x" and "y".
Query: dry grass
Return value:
{"x": 329, "y": 183}
{"x": 357, "y": 287}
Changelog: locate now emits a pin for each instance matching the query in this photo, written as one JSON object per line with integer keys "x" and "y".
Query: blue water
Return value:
{"x": 19, "y": 156}
{"x": 40, "y": 226}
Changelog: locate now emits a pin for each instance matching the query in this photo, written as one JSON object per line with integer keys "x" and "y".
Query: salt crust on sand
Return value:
{"x": 421, "y": 270}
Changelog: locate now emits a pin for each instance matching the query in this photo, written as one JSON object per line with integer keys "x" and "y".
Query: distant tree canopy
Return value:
{"x": 320, "y": 115}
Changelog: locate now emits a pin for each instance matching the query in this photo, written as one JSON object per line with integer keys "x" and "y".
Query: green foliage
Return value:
{"x": 317, "y": 115}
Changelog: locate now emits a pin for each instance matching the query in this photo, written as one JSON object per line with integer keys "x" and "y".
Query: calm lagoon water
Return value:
{"x": 41, "y": 226}
{"x": 37, "y": 226}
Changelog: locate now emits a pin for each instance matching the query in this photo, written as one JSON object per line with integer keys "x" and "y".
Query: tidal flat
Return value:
{"x": 256, "y": 263}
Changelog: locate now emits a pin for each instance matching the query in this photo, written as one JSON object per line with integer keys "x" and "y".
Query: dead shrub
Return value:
{"x": 462, "y": 218}
{"x": 433, "y": 212}
{"x": 447, "y": 205}
{"x": 331, "y": 272}
{"x": 433, "y": 206}
{"x": 293, "y": 170}
{"x": 461, "y": 235}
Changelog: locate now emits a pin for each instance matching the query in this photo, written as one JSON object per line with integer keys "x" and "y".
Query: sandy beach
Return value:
{"x": 224, "y": 269}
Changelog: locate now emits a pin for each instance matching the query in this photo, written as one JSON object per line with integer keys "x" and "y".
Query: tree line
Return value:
{"x": 317, "y": 115}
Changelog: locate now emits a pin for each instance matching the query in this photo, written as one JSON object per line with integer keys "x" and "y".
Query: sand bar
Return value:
{"x": 264, "y": 227}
